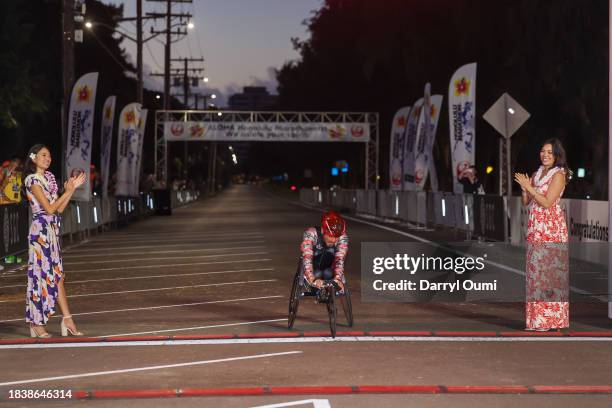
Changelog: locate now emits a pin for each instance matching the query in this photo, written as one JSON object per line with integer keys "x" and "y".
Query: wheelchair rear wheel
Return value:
{"x": 294, "y": 300}
{"x": 347, "y": 306}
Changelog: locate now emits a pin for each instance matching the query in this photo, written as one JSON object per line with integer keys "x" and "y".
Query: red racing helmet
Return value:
{"x": 332, "y": 224}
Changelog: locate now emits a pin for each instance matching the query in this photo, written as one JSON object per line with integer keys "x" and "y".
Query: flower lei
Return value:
{"x": 52, "y": 183}
{"x": 540, "y": 181}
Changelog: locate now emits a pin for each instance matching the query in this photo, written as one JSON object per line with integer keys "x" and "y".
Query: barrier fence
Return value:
{"x": 80, "y": 218}
{"x": 480, "y": 216}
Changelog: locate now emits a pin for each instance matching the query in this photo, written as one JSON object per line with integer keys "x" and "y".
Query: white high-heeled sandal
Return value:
{"x": 34, "y": 333}
{"x": 66, "y": 329}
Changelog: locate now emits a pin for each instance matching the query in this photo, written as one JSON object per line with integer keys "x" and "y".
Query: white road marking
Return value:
{"x": 137, "y": 309}
{"x": 157, "y": 289}
{"x": 169, "y": 265}
{"x": 203, "y": 237}
{"x": 162, "y": 235}
{"x": 214, "y": 326}
{"x": 186, "y": 244}
{"x": 172, "y": 275}
{"x": 316, "y": 403}
{"x": 178, "y": 251}
{"x": 158, "y": 367}
{"x": 166, "y": 258}
{"x": 295, "y": 340}
{"x": 120, "y": 244}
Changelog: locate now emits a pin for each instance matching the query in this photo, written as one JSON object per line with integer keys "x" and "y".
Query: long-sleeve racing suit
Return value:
{"x": 321, "y": 261}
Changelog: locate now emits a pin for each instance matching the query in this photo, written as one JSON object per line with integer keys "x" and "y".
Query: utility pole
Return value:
{"x": 139, "y": 42}
{"x": 67, "y": 71}
{"x": 168, "y": 45}
{"x": 167, "y": 57}
{"x": 186, "y": 78}
{"x": 186, "y": 92}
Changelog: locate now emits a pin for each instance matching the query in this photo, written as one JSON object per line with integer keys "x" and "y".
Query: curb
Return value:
{"x": 52, "y": 340}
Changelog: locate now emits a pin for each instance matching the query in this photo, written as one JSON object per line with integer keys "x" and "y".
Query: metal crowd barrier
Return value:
{"x": 81, "y": 218}
{"x": 479, "y": 216}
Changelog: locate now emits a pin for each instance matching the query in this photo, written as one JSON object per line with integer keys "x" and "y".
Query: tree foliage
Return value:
{"x": 550, "y": 55}
{"x": 17, "y": 88}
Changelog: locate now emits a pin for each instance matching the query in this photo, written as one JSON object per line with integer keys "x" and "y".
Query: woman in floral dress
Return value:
{"x": 45, "y": 271}
{"x": 547, "y": 270}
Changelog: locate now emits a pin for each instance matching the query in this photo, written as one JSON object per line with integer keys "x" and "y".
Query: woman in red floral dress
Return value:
{"x": 547, "y": 271}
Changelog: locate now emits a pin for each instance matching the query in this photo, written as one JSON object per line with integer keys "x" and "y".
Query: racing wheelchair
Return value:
{"x": 329, "y": 294}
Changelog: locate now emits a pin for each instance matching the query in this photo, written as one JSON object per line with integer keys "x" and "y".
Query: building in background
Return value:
{"x": 252, "y": 98}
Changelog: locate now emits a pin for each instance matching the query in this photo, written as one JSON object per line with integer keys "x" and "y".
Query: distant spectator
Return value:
{"x": 159, "y": 184}
{"x": 112, "y": 185}
{"x": 94, "y": 179}
{"x": 148, "y": 183}
{"x": 470, "y": 182}
{"x": 10, "y": 181}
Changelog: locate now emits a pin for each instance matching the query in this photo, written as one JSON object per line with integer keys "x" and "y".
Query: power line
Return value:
{"x": 109, "y": 52}
{"x": 153, "y": 56}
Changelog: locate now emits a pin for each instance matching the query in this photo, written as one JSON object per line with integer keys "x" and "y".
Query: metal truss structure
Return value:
{"x": 371, "y": 147}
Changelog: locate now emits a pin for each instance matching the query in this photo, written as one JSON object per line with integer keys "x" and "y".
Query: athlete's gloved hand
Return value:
{"x": 318, "y": 283}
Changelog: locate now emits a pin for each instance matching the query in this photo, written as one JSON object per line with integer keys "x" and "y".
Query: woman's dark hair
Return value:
{"x": 29, "y": 166}
{"x": 560, "y": 157}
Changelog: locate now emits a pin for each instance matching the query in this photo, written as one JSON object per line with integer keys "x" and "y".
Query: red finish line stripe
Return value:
{"x": 532, "y": 334}
{"x": 487, "y": 389}
{"x": 465, "y": 334}
{"x": 400, "y": 389}
{"x": 311, "y": 390}
{"x": 572, "y": 389}
{"x": 229, "y": 392}
{"x": 589, "y": 334}
{"x": 399, "y": 333}
{"x": 344, "y": 389}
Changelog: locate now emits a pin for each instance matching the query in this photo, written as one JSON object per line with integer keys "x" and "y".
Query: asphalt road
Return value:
{"x": 224, "y": 266}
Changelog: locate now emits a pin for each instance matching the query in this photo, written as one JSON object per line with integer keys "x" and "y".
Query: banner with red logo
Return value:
{"x": 80, "y": 130}
{"x": 409, "y": 146}
{"x": 268, "y": 131}
{"x": 127, "y": 145}
{"x": 425, "y": 140}
{"x": 106, "y": 140}
{"x": 396, "y": 152}
{"x": 462, "y": 116}
{"x": 137, "y": 164}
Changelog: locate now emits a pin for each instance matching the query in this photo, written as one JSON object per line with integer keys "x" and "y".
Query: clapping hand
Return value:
{"x": 78, "y": 180}
{"x": 75, "y": 182}
{"x": 523, "y": 180}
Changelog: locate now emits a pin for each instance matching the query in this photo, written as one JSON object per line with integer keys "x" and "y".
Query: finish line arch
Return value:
{"x": 259, "y": 126}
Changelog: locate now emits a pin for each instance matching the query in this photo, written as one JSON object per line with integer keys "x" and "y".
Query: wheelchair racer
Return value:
{"x": 324, "y": 250}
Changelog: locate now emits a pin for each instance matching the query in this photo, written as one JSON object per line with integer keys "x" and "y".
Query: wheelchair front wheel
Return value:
{"x": 331, "y": 310}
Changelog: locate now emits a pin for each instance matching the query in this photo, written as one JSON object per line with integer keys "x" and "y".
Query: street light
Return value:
{"x": 205, "y": 79}
{"x": 88, "y": 24}
{"x": 158, "y": 96}
{"x": 213, "y": 96}
{"x": 190, "y": 25}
